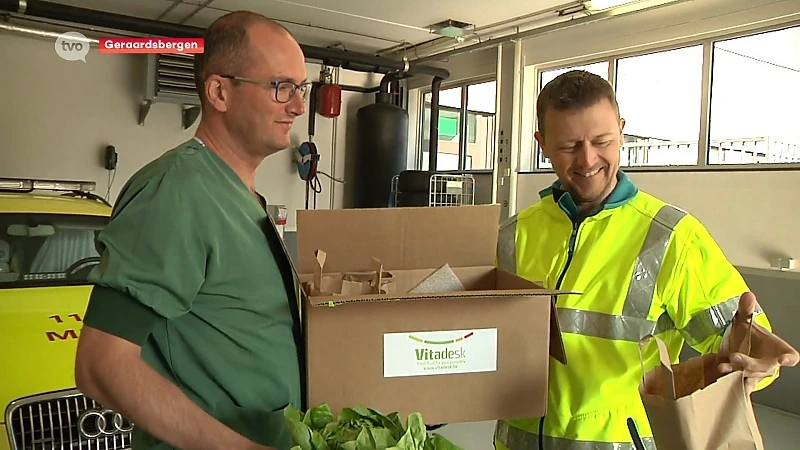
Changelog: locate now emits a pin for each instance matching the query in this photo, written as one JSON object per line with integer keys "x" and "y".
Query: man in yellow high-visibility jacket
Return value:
{"x": 642, "y": 267}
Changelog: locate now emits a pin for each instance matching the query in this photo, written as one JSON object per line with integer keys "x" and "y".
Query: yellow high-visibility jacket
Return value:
{"x": 642, "y": 267}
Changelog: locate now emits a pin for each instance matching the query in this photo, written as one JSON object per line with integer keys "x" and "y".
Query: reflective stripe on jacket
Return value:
{"x": 642, "y": 267}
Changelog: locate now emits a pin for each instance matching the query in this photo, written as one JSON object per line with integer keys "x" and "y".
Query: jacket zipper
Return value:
{"x": 573, "y": 237}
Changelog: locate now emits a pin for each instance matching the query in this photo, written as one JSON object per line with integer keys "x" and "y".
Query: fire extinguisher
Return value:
{"x": 330, "y": 96}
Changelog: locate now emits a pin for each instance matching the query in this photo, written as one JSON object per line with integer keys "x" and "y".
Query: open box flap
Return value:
{"x": 401, "y": 238}
{"x": 557, "y": 349}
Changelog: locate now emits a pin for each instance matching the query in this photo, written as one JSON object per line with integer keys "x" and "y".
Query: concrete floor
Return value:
{"x": 781, "y": 431}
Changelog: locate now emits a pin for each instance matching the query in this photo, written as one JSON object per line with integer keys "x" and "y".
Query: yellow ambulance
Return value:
{"x": 47, "y": 249}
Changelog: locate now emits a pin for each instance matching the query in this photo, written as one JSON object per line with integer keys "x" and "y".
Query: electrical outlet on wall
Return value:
{"x": 110, "y": 159}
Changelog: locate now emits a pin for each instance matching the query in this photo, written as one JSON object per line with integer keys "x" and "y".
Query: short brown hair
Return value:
{"x": 573, "y": 90}
{"x": 226, "y": 47}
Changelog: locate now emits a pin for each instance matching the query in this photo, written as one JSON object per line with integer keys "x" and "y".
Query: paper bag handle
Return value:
{"x": 666, "y": 364}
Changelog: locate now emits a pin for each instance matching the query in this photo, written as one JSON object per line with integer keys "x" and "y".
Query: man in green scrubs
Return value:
{"x": 193, "y": 331}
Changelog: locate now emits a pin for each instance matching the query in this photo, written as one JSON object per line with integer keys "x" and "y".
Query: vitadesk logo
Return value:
{"x": 439, "y": 352}
{"x": 445, "y": 354}
{"x": 72, "y": 46}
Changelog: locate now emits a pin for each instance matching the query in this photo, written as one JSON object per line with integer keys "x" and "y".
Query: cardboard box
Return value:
{"x": 480, "y": 354}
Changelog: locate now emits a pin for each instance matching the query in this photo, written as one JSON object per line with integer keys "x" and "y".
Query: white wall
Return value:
{"x": 752, "y": 214}
{"x": 56, "y": 117}
{"x": 463, "y": 67}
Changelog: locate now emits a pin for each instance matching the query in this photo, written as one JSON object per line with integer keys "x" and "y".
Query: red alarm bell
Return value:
{"x": 330, "y": 100}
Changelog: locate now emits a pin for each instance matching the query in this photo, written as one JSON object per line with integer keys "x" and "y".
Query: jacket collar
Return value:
{"x": 622, "y": 194}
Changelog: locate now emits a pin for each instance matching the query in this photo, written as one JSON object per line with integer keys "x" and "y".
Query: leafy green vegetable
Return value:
{"x": 360, "y": 428}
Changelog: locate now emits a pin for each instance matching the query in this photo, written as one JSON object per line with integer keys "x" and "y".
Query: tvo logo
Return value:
{"x": 72, "y": 46}
{"x": 94, "y": 423}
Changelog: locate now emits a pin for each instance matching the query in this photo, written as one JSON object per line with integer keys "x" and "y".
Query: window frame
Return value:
{"x": 705, "y": 100}
{"x": 463, "y": 124}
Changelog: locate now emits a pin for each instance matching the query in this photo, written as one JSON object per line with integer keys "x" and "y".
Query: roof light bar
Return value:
{"x": 26, "y": 184}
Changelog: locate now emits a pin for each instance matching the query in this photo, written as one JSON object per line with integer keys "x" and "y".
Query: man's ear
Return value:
{"x": 621, "y": 125}
{"x": 217, "y": 93}
{"x": 540, "y": 140}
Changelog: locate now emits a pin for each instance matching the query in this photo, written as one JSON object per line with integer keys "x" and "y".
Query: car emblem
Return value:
{"x": 94, "y": 423}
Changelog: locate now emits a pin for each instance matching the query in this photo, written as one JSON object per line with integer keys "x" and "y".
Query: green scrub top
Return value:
{"x": 194, "y": 271}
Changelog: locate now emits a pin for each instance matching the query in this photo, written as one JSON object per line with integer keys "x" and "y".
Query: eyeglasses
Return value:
{"x": 284, "y": 90}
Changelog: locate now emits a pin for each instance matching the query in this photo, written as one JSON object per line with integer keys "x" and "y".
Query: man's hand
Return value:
{"x": 767, "y": 352}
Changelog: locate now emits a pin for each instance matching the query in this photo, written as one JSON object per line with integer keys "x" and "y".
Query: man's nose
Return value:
{"x": 297, "y": 105}
{"x": 588, "y": 155}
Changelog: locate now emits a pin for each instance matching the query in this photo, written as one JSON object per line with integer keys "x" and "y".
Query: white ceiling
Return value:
{"x": 359, "y": 25}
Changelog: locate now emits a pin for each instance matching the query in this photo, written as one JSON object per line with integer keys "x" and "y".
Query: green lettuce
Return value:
{"x": 360, "y": 428}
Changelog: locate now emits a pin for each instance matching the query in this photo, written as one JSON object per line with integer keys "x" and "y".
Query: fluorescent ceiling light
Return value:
{"x": 628, "y": 5}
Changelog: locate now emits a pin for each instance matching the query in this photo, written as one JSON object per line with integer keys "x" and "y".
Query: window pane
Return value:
{"x": 447, "y": 97}
{"x": 660, "y": 97}
{"x": 754, "y": 98}
{"x": 598, "y": 68}
{"x": 481, "y": 97}
{"x": 480, "y": 125}
{"x": 449, "y": 126}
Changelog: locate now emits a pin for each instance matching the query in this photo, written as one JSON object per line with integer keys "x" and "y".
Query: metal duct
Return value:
{"x": 356, "y": 61}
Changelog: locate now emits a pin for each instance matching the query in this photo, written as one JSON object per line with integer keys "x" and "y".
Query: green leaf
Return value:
{"x": 439, "y": 442}
{"x": 390, "y": 422}
{"x": 293, "y": 414}
{"x": 353, "y": 414}
{"x": 301, "y": 434}
{"x": 360, "y": 428}
{"x": 383, "y": 438}
{"x": 352, "y": 445}
{"x": 347, "y": 434}
{"x": 416, "y": 429}
{"x": 318, "y": 442}
{"x": 365, "y": 439}
{"x": 317, "y": 418}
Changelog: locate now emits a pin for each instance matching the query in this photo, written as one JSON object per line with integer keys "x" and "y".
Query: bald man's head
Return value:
{"x": 227, "y": 46}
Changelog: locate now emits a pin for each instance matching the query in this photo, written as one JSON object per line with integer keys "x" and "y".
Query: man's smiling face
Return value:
{"x": 583, "y": 146}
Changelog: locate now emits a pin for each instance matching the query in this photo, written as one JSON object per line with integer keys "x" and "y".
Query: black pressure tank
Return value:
{"x": 381, "y": 148}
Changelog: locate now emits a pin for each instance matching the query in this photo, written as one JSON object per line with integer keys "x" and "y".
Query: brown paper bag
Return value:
{"x": 376, "y": 281}
{"x": 690, "y": 407}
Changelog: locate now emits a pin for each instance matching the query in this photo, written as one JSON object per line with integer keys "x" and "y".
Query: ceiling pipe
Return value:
{"x": 40, "y": 33}
{"x": 540, "y": 31}
{"x": 357, "y": 61}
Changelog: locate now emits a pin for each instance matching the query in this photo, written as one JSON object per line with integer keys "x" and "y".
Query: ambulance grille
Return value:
{"x": 59, "y": 420}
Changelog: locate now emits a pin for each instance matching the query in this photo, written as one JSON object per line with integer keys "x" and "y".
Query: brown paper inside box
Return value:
{"x": 375, "y": 281}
